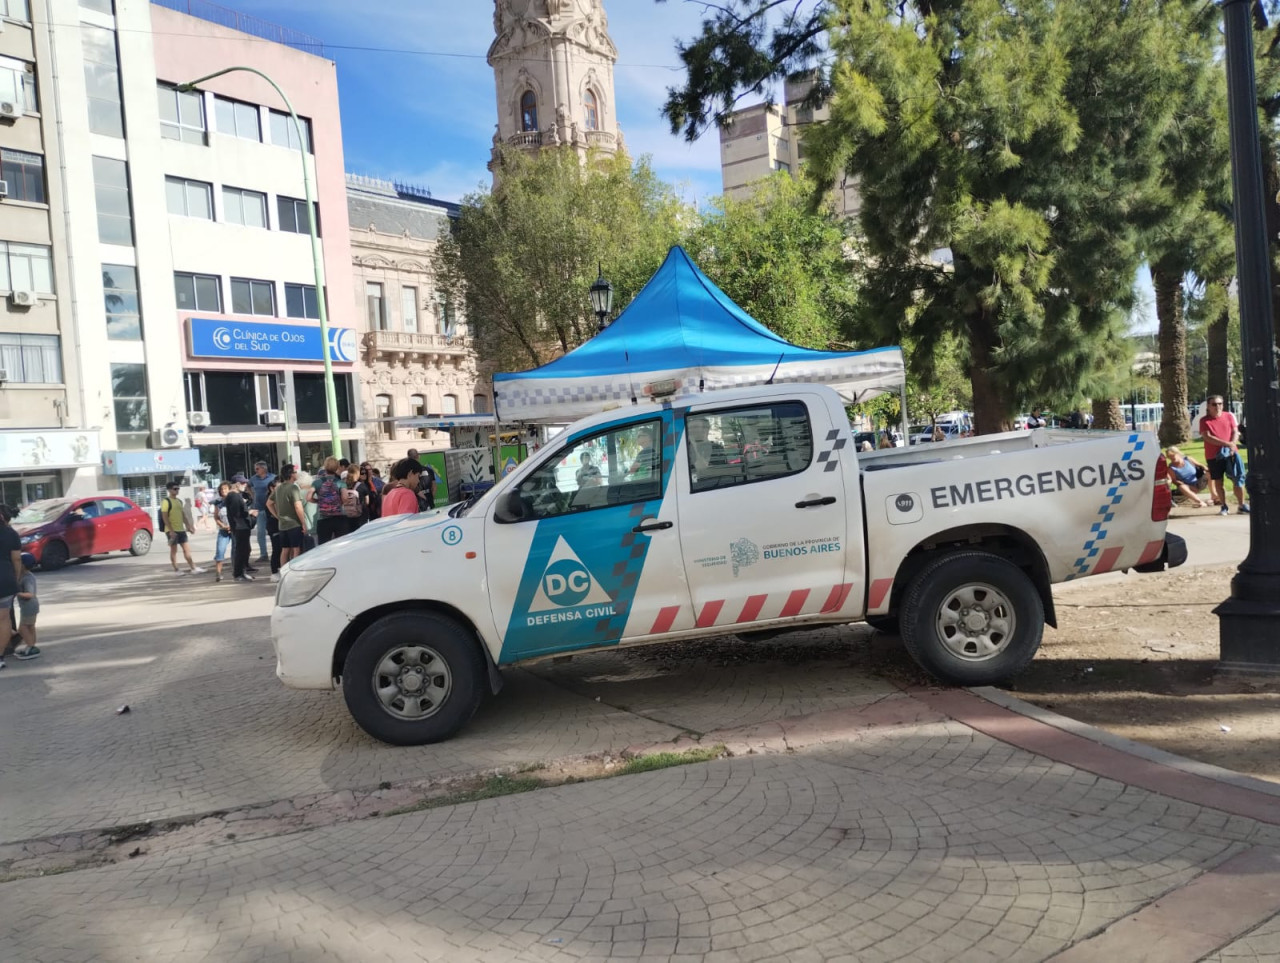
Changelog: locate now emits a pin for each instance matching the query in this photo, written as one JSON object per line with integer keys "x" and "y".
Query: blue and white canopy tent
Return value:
{"x": 683, "y": 330}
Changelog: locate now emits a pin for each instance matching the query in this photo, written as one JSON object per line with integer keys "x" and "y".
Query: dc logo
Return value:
{"x": 566, "y": 582}
{"x": 904, "y": 503}
{"x": 451, "y": 535}
{"x": 221, "y": 339}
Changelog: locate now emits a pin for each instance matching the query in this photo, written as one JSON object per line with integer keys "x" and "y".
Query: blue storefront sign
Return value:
{"x": 169, "y": 461}
{"x": 269, "y": 341}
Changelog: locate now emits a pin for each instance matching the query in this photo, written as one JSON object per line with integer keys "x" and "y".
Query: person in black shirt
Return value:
{"x": 242, "y": 522}
{"x": 10, "y": 570}
{"x": 426, "y": 484}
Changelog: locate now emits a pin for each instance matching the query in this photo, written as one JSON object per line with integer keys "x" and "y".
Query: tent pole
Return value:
{"x": 906, "y": 434}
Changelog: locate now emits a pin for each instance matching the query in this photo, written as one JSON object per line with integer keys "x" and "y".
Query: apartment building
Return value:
{"x": 765, "y": 138}
{"x": 417, "y": 356}
{"x": 181, "y": 307}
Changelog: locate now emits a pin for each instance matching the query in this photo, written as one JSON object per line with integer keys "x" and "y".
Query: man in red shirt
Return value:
{"x": 1221, "y": 437}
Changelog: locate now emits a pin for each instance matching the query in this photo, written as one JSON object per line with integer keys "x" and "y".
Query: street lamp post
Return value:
{"x": 1249, "y": 621}
{"x": 601, "y": 294}
{"x": 330, "y": 394}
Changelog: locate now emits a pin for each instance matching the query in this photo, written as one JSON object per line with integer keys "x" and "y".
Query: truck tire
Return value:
{"x": 972, "y": 618}
{"x": 888, "y": 624}
{"x": 413, "y": 678}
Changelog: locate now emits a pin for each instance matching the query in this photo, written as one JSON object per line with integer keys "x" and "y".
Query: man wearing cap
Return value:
{"x": 240, "y": 519}
{"x": 177, "y": 523}
{"x": 260, "y": 481}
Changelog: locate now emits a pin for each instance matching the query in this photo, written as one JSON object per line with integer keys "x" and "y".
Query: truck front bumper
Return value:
{"x": 304, "y": 637}
{"x": 1172, "y": 555}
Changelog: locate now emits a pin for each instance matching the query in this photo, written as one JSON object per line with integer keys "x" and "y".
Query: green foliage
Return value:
{"x": 523, "y": 256}
{"x": 782, "y": 261}
{"x": 665, "y": 760}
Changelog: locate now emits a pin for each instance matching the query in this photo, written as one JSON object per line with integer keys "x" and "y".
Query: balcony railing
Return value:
{"x": 526, "y": 138}
{"x": 601, "y": 138}
{"x": 412, "y": 342}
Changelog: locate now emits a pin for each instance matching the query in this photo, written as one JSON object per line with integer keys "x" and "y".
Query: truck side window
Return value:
{"x": 615, "y": 467}
{"x": 738, "y": 446}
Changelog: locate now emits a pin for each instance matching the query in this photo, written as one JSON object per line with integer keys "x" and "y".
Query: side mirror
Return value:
{"x": 510, "y": 508}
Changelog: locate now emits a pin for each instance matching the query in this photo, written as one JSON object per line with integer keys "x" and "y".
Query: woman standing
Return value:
{"x": 401, "y": 496}
{"x": 273, "y": 529}
{"x": 223, "y": 526}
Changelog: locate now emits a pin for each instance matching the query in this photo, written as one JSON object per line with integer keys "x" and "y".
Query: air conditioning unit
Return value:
{"x": 198, "y": 419}
{"x": 272, "y": 416}
{"x": 170, "y": 436}
{"x": 4, "y": 188}
{"x": 10, "y": 109}
{"x": 24, "y": 299}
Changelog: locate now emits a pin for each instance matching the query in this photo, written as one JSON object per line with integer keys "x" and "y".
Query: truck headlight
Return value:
{"x": 302, "y": 585}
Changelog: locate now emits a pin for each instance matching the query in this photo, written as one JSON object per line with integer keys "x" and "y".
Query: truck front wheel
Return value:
{"x": 972, "y": 618}
{"x": 413, "y": 677}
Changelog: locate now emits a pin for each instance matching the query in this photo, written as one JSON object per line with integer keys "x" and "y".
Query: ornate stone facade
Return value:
{"x": 416, "y": 352}
{"x": 553, "y": 63}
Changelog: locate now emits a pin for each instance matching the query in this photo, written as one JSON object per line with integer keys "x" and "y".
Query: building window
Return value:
{"x": 26, "y": 267}
{"x": 308, "y": 397}
{"x": 446, "y": 317}
{"x": 31, "y": 359}
{"x": 450, "y": 404}
{"x": 481, "y": 405}
{"x": 189, "y": 198}
{"x": 756, "y": 444}
{"x": 293, "y": 215}
{"x": 101, "y": 6}
{"x": 23, "y": 174}
{"x": 111, "y": 186}
{"x": 377, "y": 306}
{"x": 386, "y": 427}
{"x": 528, "y": 111}
{"x": 283, "y": 132}
{"x": 198, "y": 292}
{"x": 233, "y": 398}
{"x": 409, "y": 308}
{"x": 16, "y": 10}
{"x": 120, "y": 296}
{"x": 591, "y": 108}
{"x": 18, "y": 83}
{"x": 300, "y": 301}
{"x": 244, "y": 207}
{"x": 181, "y": 115}
{"x": 102, "y": 80}
{"x": 133, "y": 420}
{"x": 237, "y": 118}
{"x": 418, "y": 409}
{"x": 253, "y": 297}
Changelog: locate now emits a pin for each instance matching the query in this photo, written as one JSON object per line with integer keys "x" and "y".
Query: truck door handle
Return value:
{"x": 811, "y": 502}
{"x": 652, "y": 526}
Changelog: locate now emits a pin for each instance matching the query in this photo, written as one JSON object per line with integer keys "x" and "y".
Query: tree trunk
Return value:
{"x": 990, "y": 411}
{"x": 1108, "y": 415}
{"x": 1174, "y": 425}
{"x": 1217, "y": 338}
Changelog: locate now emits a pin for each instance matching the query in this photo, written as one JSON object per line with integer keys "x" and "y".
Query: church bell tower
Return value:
{"x": 552, "y": 65}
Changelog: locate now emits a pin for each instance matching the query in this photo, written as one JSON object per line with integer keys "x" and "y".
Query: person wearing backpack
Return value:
{"x": 176, "y": 523}
{"x": 355, "y": 499}
{"x": 326, "y": 492}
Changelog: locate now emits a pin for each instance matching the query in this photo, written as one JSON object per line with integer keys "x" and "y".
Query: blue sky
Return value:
{"x": 428, "y": 118}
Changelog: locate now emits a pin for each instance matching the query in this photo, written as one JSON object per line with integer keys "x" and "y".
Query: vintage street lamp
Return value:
{"x": 601, "y": 294}
{"x": 1249, "y": 621}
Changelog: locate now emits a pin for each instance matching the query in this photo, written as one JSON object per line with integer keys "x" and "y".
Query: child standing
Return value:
{"x": 28, "y": 609}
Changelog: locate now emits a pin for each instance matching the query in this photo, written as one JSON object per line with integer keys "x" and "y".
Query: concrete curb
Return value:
{"x": 1121, "y": 744}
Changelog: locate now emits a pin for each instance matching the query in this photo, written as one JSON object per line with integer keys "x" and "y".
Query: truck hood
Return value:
{"x": 342, "y": 551}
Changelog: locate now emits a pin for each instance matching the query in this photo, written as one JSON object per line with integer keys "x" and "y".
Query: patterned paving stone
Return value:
{"x": 1262, "y": 945}
{"x": 747, "y": 858}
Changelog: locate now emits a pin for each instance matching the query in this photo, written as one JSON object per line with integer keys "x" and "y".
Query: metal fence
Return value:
{"x": 253, "y": 26}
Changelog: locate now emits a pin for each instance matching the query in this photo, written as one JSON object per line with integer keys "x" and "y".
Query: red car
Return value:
{"x": 55, "y": 530}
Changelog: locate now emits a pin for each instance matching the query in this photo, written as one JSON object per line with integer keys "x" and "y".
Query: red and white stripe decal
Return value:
{"x": 1107, "y": 560}
{"x": 666, "y": 617}
{"x": 710, "y": 613}
{"x": 751, "y": 610}
{"x": 879, "y": 591}
{"x": 839, "y": 595}
{"x": 795, "y": 602}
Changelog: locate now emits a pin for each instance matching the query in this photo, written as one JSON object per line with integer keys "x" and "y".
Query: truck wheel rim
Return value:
{"x": 412, "y": 682}
{"x": 976, "y": 622}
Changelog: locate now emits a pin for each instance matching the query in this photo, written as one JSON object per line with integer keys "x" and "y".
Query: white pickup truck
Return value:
{"x": 746, "y": 510}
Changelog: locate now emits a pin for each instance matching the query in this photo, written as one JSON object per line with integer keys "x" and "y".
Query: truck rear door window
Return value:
{"x": 738, "y": 446}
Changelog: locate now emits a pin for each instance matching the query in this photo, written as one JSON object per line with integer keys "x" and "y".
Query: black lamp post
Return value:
{"x": 601, "y": 294}
{"x": 1249, "y": 621}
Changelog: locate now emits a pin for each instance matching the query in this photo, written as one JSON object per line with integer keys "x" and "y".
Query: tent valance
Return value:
{"x": 682, "y": 328}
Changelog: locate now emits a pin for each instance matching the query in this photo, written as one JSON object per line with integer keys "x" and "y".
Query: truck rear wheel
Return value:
{"x": 972, "y": 618}
{"x": 413, "y": 678}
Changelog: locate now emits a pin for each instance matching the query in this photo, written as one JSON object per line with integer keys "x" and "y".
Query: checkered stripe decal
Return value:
{"x": 561, "y": 394}
{"x": 1098, "y": 531}
{"x": 634, "y": 547}
{"x": 834, "y": 442}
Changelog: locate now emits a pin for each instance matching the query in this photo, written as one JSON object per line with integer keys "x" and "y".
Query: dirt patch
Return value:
{"x": 1138, "y": 657}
